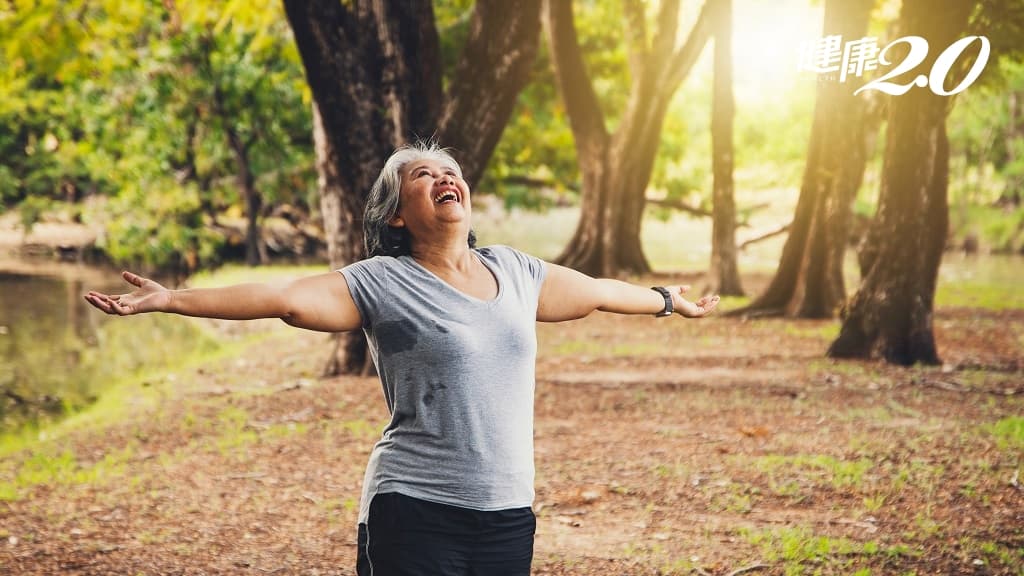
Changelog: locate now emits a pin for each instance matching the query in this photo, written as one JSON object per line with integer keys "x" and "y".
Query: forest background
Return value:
{"x": 623, "y": 138}
{"x": 146, "y": 119}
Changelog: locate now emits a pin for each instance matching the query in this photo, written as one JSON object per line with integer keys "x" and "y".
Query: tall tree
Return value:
{"x": 376, "y": 74}
{"x": 724, "y": 274}
{"x": 809, "y": 279}
{"x": 891, "y": 313}
{"x": 616, "y": 166}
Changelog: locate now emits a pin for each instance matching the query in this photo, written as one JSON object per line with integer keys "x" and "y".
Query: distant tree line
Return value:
{"x": 183, "y": 117}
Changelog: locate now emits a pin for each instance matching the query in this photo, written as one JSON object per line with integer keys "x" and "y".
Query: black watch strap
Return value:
{"x": 668, "y": 301}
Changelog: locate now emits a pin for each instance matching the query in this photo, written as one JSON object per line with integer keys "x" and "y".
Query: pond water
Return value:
{"x": 57, "y": 353}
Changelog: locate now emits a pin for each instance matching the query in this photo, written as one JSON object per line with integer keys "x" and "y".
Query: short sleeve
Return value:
{"x": 368, "y": 283}
{"x": 533, "y": 268}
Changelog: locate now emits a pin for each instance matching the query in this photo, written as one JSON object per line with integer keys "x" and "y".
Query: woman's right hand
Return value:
{"x": 149, "y": 296}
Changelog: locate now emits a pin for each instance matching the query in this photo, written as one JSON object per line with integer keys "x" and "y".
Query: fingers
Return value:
{"x": 108, "y": 304}
{"x": 131, "y": 278}
{"x": 702, "y": 307}
{"x": 708, "y": 301}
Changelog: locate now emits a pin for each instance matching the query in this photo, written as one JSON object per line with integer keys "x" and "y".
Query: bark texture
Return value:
{"x": 724, "y": 273}
{"x": 616, "y": 167}
{"x": 891, "y": 314}
{"x": 809, "y": 280}
{"x": 374, "y": 68}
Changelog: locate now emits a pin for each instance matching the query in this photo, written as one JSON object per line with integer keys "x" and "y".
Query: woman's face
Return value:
{"x": 433, "y": 197}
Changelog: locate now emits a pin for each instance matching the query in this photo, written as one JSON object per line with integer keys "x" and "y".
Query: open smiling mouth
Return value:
{"x": 446, "y": 196}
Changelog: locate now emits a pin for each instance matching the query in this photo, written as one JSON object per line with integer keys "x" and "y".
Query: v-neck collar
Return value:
{"x": 490, "y": 268}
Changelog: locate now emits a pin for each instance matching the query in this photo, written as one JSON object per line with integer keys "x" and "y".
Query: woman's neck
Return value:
{"x": 455, "y": 257}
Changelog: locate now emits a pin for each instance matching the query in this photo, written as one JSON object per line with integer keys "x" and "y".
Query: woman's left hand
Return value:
{"x": 702, "y": 307}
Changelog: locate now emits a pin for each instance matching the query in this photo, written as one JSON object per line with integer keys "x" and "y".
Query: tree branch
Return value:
{"x": 668, "y": 27}
{"x": 683, "y": 59}
{"x": 778, "y": 231}
{"x": 698, "y": 211}
{"x": 679, "y": 205}
{"x": 531, "y": 182}
{"x": 636, "y": 35}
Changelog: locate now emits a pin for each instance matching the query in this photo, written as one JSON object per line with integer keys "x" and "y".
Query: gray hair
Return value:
{"x": 381, "y": 238}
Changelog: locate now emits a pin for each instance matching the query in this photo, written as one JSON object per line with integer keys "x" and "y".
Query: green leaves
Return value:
{"x": 131, "y": 100}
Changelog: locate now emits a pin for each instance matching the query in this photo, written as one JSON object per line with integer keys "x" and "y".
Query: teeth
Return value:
{"x": 446, "y": 195}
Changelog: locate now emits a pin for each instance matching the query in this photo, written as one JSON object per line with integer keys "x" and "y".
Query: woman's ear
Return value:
{"x": 396, "y": 221}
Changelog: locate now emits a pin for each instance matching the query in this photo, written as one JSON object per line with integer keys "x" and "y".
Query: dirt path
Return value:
{"x": 666, "y": 447}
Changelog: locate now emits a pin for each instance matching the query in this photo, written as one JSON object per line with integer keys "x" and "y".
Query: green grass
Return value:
{"x": 1009, "y": 433}
{"x": 734, "y": 497}
{"x": 979, "y": 294}
{"x": 991, "y": 282}
{"x": 240, "y": 274}
{"x": 135, "y": 393}
{"x": 47, "y": 466}
{"x": 997, "y": 229}
{"x": 996, "y": 556}
{"x": 840, "y": 473}
{"x": 32, "y": 455}
{"x": 799, "y": 548}
{"x": 824, "y": 331}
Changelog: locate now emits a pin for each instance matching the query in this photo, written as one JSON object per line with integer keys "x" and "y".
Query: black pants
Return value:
{"x": 406, "y": 536}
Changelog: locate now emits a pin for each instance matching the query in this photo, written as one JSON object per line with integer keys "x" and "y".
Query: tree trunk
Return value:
{"x": 891, "y": 314}
{"x": 374, "y": 68}
{"x": 724, "y": 274}
{"x": 344, "y": 235}
{"x": 809, "y": 280}
{"x": 495, "y": 67}
{"x": 254, "y": 255}
{"x": 617, "y": 167}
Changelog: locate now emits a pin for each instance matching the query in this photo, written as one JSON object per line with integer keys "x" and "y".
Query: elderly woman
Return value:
{"x": 450, "y": 327}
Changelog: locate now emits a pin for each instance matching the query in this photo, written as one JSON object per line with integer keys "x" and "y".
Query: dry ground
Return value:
{"x": 663, "y": 447}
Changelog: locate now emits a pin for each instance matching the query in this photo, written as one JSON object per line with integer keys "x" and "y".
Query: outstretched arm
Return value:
{"x": 320, "y": 302}
{"x": 567, "y": 295}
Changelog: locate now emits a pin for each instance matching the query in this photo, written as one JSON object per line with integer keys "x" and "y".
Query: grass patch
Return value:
{"x": 728, "y": 303}
{"x": 62, "y": 469}
{"x": 798, "y": 548}
{"x": 233, "y": 430}
{"x": 990, "y": 282}
{"x": 824, "y": 331}
{"x": 240, "y": 274}
{"x": 841, "y": 473}
{"x": 996, "y": 557}
{"x": 32, "y": 456}
{"x": 135, "y": 393}
{"x": 734, "y": 497}
{"x": 1009, "y": 433}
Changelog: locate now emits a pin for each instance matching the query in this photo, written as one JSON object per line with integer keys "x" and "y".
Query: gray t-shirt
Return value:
{"x": 458, "y": 379}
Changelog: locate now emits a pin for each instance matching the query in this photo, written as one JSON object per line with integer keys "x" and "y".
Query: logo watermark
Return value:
{"x": 835, "y": 60}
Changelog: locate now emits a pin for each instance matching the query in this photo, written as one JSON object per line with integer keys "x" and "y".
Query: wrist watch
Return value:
{"x": 668, "y": 301}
